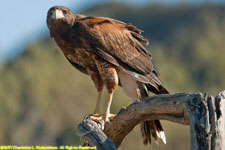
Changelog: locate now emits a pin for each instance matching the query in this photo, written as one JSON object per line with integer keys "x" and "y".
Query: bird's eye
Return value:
{"x": 50, "y": 13}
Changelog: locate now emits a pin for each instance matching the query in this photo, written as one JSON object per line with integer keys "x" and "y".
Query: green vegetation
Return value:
{"x": 43, "y": 98}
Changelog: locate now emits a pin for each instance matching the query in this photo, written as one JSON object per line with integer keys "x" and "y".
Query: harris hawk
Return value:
{"x": 112, "y": 54}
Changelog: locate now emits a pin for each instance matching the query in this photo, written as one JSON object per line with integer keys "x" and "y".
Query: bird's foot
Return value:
{"x": 108, "y": 118}
{"x": 97, "y": 117}
{"x": 101, "y": 120}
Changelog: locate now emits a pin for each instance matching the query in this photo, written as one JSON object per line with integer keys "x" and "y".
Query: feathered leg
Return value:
{"x": 110, "y": 80}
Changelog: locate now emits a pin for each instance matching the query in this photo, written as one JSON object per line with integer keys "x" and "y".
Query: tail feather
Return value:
{"x": 139, "y": 90}
{"x": 145, "y": 131}
{"x": 160, "y": 90}
{"x": 160, "y": 131}
{"x": 152, "y": 128}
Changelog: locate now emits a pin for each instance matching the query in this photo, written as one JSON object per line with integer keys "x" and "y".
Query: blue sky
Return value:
{"x": 22, "y": 21}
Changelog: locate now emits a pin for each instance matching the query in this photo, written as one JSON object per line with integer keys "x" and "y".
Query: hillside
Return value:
{"x": 43, "y": 98}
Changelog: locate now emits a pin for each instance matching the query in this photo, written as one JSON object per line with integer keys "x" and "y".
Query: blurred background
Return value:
{"x": 43, "y": 98}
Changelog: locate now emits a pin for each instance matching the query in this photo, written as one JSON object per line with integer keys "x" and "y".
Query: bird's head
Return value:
{"x": 58, "y": 17}
{"x": 59, "y": 13}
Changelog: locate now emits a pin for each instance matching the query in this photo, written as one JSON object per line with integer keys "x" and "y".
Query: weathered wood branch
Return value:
{"x": 204, "y": 113}
{"x": 92, "y": 132}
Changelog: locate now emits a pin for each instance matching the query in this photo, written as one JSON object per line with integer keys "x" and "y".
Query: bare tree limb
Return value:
{"x": 204, "y": 113}
{"x": 92, "y": 132}
{"x": 219, "y": 139}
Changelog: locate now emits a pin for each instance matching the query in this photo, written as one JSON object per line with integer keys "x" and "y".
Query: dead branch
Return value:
{"x": 204, "y": 113}
{"x": 92, "y": 132}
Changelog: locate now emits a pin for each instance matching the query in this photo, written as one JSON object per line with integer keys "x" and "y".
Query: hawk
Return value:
{"x": 112, "y": 54}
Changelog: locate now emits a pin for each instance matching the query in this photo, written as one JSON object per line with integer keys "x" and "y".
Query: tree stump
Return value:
{"x": 205, "y": 115}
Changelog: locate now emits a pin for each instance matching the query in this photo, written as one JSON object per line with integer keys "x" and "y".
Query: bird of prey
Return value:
{"x": 112, "y": 54}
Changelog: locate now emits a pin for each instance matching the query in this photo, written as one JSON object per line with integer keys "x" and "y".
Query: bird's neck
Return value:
{"x": 59, "y": 26}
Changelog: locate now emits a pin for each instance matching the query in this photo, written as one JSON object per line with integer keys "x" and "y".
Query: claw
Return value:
{"x": 95, "y": 117}
{"x": 98, "y": 118}
{"x": 109, "y": 118}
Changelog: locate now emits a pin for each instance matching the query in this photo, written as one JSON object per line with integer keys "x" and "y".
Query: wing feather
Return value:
{"x": 120, "y": 44}
{"x": 78, "y": 67}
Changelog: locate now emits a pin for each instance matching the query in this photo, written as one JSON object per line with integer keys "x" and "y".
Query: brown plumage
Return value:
{"x": 111, "y": 53}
